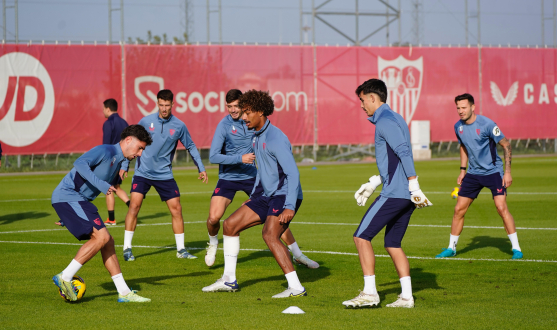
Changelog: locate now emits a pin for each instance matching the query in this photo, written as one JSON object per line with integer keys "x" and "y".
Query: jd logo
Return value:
{"x": 26, "y": 99}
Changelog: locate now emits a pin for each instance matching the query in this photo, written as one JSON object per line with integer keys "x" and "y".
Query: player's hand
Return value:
{"x": 123, "y": 174}
{"x": 286, "y": 216}
{"x": 111, "y": 190}
{"x": 416, "y": 195}
{"x": 203, "y": 177}
{"x": 367, "y": 189}
{"x": 507, "y": 179}
{"x": 248, "y": 158}
{"x": 460, "y": 177}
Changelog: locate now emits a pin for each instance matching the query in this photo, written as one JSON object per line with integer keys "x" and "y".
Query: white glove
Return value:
{"x": 416, "y": 194}
{"x": 367, "y": 189}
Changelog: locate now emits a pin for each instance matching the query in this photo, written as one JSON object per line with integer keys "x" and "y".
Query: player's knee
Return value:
{"x": 459, "y": 209}
{"x": 270, "y": 235}
{"x": 229, "y": 229}
{"x": 213, "y": 221}
{"x": 501, "y": 208}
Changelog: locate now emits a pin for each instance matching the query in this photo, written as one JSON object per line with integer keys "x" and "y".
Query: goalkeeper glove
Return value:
{"x": 367, "y": 189}
{"x": 416, "y": 194}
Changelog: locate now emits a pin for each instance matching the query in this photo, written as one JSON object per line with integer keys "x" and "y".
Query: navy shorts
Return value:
{"x": 79, "y": 218}
{"x": 228, "y": 189}
{"x": 117, "y": 181}
{"x": 394, "y": 213}
{"x": 472, "y": 184}
{"x": 167, "y": 189}
{"x": 265, "y": 206}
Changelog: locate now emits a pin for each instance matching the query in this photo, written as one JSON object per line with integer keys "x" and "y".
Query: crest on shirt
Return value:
{"x": 152, "y": 127}
{"x": 403, "y": 78}
{"x": 264, "y": 145}
{"x": 460, "y": 129}
{"x": 496, "y": 131}
{"x": 172, "y": 131}
{"x": 253, "y": 143}
{"x": 234, "y": 130}
{"x": 113, "y": 161}
{"x": 478, "y": 131}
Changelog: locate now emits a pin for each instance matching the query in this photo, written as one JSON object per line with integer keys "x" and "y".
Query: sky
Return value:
{"x": 514, "y": 22}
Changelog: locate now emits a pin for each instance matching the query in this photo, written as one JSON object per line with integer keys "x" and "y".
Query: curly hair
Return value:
{"x": 258, "y": 101}
{"x": 138, "y": 132}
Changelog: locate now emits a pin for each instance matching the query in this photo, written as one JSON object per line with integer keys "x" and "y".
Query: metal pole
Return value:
{"x": 208, "y": 24}
{"x": 109, "y": 21}
{"x": 357, "y": 25}
{"x": 480, "y": 57}
{"x": 554, "y": 23}
{"x": 220, "y": 23}
{"x": 122, "y": 20}
{"x": 315, "y": 130}
{"x": 4, "y": 17}
{"x": 387, "y": 27}
{"x": 466, "y": 18}
{"x": 543, "y": 25}
{"x": 16, "y": 24}
{"x": 399, "y": 24}
{"x": 301, "y": 22}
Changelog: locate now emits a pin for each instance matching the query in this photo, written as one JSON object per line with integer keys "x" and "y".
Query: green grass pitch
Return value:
{"x": 482, "y": 289}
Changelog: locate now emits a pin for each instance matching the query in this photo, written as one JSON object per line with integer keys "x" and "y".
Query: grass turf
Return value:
{"x": 484, "y": 289}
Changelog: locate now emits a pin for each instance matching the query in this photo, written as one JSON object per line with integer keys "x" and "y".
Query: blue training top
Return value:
{"x": 232, "y": 139}
{"x": 277, "y": 172}
{"x": 393, "y": 152}
{"x": 112, "y": 129}
{"x": 94, "y": 172}
{"x": 480, "y": 140}
{"x": 155, "y": 163}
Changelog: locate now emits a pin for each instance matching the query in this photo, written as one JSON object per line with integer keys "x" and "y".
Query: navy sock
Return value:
{"x": 111, "y": 215}
{"x": 128, "y": 203}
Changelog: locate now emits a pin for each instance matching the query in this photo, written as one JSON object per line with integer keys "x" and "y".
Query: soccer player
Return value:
{"x": 231, "y": 148}
{"x": 400, "y": 195}
{"x": 275, "y": 198}
{"x": 154, "y": 168}
{"x": 95, "y": 172}
{"x": 478, "y": 137}
{"x": 112, "y": 129}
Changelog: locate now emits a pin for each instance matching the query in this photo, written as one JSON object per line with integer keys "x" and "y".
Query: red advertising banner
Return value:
{"x": 51, "y": 96}
{"x": 520, "y": 91}
{"x": 422, "y": 84}
{"x": 200, "y": 77}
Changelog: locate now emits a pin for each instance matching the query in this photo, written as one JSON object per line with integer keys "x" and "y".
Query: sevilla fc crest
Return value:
{"x": 97, "y": 221}
{"x": 478, "y": 131}
{"x": 172, "y": 131}
{"x": 404, "y": 84}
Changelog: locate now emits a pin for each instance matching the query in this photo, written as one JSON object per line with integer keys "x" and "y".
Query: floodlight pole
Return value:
{"x": 543, "y": 25}
{"x": 301, "y": 22}
{"x": 110, "y": 10}
{"x": 399, "y": 25}
{"x": 208, "y": 23}
{"x": 314, "y": 45}
{"x": 480, "y": 56}
{"x": 466, "y": 19}
{"x": 4, "y": 17}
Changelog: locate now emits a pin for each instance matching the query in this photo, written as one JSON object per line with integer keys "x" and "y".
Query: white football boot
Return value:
{"x": 291, "y": 293}
{"x": 401, "y": 302}
{"x": 362, "y": 300}
{"x": 221, "y": 286}
{"x": 304, "y": 260}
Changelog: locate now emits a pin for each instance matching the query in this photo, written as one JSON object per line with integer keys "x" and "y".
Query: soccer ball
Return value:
{"x": 80, "y": 288}
{"x": 454, "y": 194}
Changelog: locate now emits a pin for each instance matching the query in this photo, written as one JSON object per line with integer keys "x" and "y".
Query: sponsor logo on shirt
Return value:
{"x": 234, "y": 130}
{"x": 172, "y": 131}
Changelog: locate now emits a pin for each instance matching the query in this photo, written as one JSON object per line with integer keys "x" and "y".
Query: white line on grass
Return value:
{"x": 305, "y": 251}
{"x": 301, "y": 223}
{"x": 307, "y": 191}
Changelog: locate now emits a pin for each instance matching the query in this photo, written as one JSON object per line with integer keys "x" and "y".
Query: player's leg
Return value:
{"x": 243, "y": 218}
{"x": 131, "y": 223}
{"x": 297, "y": 255}
{"x": 216, "y": 211}
{"x": 121, "y": 193}
{"x": 469, "y": 190}
{"x": 394, "y": 234}
{"x": 110, "y": 209}
{"x": 110, "y": 261}
{"x": 376, "y": 217}
{"x": 175, "y": 209}
{"x": 508, "y": 221}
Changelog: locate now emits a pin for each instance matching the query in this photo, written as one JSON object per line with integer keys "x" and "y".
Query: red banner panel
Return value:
{"x": 200, "y": 77}
{"x": 422, "y": 84}
{"x": 520, "y": 91}
{"x": 51, "y": 96}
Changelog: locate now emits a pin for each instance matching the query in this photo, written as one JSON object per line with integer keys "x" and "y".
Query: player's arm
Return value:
{"x": 83, "y": 166}
{"x": 187, "y": 142}
{"x": 463, "y": 163}
{"x": 507, "y": 177}
{"x": 215, "y": 154}
{"x": 283, "y": 153}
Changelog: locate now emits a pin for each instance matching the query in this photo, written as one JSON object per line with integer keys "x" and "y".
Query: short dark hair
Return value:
{"x": 258, "y": 101}
{"x": 233, "y": 95}
{"x": 464, "y": 96}
{"x": 376, "y": 86}
{"x": 111, "y": 104}
{"x": 166, "y": 95}
{"x": 138, "y": 132}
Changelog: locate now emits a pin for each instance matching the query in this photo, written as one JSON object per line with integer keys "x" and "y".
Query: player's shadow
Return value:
{"x": 197, "y": 250}
{"x": 154, "y": 216}
{"x": 478, "y": 242}
{"x": 420, "y": 281}
{"x": 9, "y": 218}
